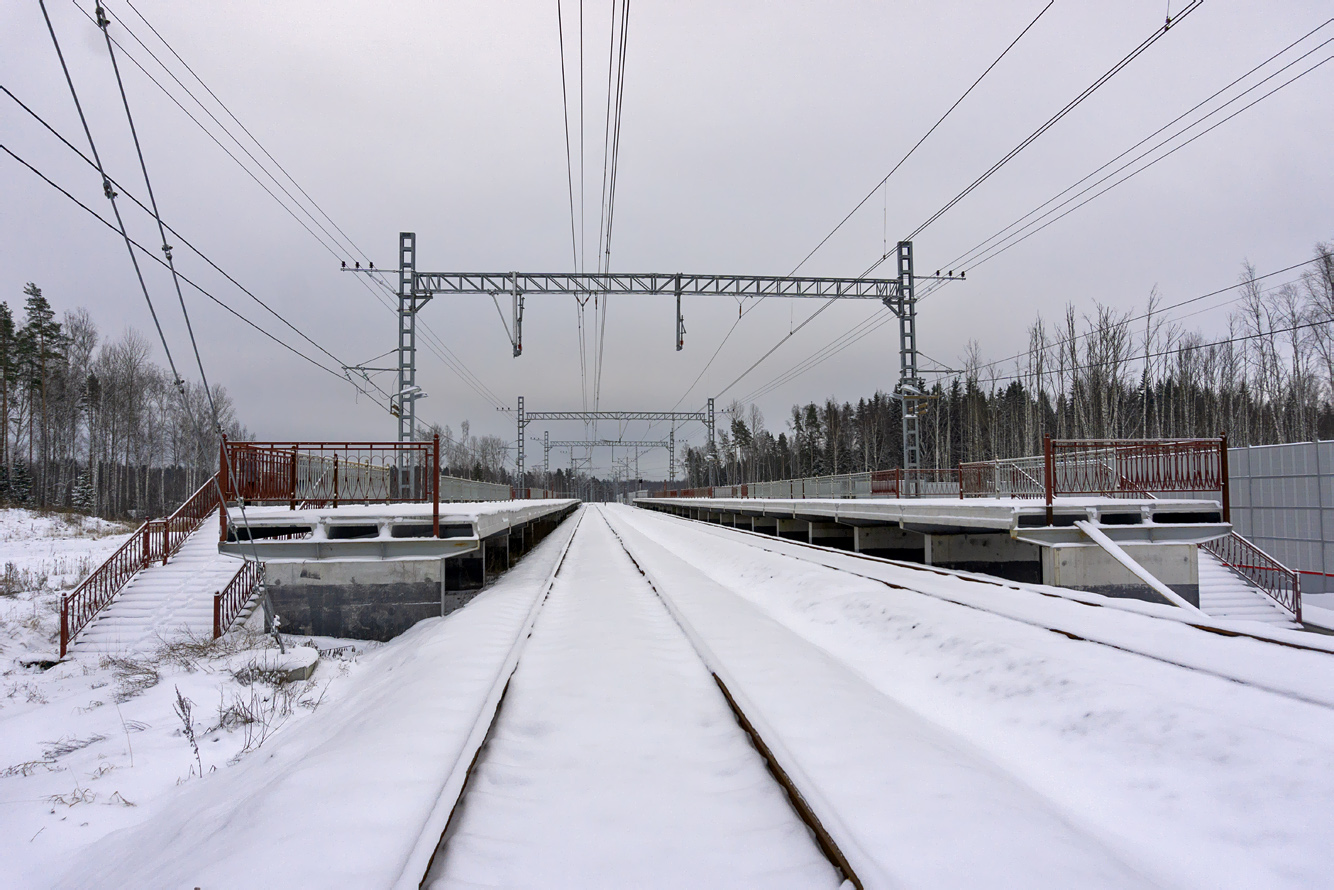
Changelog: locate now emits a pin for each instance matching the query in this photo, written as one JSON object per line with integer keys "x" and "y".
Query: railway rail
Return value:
{"x": 1237, "y": 672}
{"x": 548, "y": 656}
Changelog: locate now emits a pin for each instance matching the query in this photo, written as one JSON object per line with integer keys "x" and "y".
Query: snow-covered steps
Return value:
{"x": 164, "y": 600}
{"x": 1226, "y": 594}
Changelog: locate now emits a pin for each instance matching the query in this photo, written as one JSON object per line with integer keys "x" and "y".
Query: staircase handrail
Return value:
{"x": 154, "y": 541}
{"x": 228, "y": 602}
{"x": 81, "y": 605}
{"x": 191, "y": 514}
{"x": 1280, "y": 583}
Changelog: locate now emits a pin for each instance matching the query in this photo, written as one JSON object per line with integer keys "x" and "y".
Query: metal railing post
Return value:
{"x": 292, "y": 481}
{"x": 64, "y": 624}
{"x": 1049, "y": 475}
{"x": 224, "y": 486}
{"x": 1227, "y": 498}
{"x": 335, "y": 485}
{"x": 217, "y": 614}
{"x": 435, "y": 485}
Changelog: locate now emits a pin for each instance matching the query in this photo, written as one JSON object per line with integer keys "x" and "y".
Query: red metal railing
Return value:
{"x": 1108, "y": 467}
{"x": 190, "y": 515}
{"x": 1282, "y": 584}
{"x": 318, "y": 474}
{"x": 79, "y": 607}
{"x": 153, "y": 542}
{"x": 228, "y": 602}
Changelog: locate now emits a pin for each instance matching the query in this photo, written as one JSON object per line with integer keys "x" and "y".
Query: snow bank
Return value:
{"x": 340, "y": 800}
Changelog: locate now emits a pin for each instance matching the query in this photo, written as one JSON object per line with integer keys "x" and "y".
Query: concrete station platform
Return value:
{"x": 1005, "y": 537}
{"x": 373, "y": 571}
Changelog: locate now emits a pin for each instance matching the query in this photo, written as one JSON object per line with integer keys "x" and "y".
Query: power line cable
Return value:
{"x": 455, "y": 364}
{"x": 178, "y": 236}
{"x": 215, "y": 139}
{"x": 243, "y": 127}
{"x": 859, "y": 205}
{"x": 151, "y": 255}
{"x": 1016, "y": 238}
{"x": 859, "y": 331}
{"x": 111, "y": 196}
{"x": 1056, "y": 118}
{"x": 882, "y": 318}
{"x": 925, "y": 135}
{"x": 963, "y": 260}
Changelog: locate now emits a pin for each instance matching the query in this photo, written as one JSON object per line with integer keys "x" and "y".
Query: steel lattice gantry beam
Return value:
{"x": 583, "y": 284}
{"x": 897, "y": 294}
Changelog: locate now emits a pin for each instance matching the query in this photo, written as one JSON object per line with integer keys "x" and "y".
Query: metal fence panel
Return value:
{"x": 1283, "y": 500}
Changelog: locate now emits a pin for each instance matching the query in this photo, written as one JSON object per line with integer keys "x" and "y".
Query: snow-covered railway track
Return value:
{"x": 1063, "y": 616}
{"x": 613, "y": 759}
{"x": 905, "y": 803}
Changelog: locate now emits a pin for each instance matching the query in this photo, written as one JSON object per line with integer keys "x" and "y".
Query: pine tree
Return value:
{"x": 20, "y": 483}
{"x": 6, "y": 376}
{"x": 44, "y": 345}
{"x": 83, "y": 497}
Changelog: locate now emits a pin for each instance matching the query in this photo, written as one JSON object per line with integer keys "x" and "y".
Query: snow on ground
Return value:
{"x": 615, "y": 760}
{"x": 93, "y": 745}
{"x": 340, "y": 798}
{"x": 1201, "y": 781}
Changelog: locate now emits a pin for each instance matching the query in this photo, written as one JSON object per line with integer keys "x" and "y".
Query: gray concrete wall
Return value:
{"x": 357, "y": 600}
{"x": 1089, "y": 567}
{"x": 831, "y": 534}
{"x": 889, "y": 542}
{"x": 992, "y": 554}
{"x": 380, "y": 599}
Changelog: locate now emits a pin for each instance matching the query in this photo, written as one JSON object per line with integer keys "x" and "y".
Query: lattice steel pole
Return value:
{"x": 713, "y": 451}
{"x": 671, "y": 455}
{"x": 407, "y": 356}
{"x": 911, "y": 387}
{"x": 519, "y": 456}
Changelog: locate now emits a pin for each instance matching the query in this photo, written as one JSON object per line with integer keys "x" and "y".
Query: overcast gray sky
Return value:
{"x": 749, "y": 130}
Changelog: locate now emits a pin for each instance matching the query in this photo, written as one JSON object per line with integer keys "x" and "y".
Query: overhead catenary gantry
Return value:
{"x": 669, "y": 443}
{"x": 417, "y": 288}
{"x": 524, "y": 417}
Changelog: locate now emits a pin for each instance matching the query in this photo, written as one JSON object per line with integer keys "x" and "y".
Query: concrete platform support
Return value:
{"x": 358, "y": 600}
{"x": 794, "y": 529}
{"x": 890, "y": 542}
{"x": 764, "y": 524}
{"x": 831, "y": 534}
{"x": 992, "y": 554}
{"x": 1089, "y": 567}
{"x": 379, "y": 599}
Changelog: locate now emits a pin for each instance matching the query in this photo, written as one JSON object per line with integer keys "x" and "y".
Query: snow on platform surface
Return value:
{"x": 1226, "y": 594}
{"x": 1212, "y": 772}
{"x": 164, "y": 600}
{"x": 616, "y": 761}
{"x": 341, "y": 800}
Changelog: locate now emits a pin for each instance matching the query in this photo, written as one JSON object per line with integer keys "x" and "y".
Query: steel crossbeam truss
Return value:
{"x": 650, "y": 283}
{"x": 416, "y": 288}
